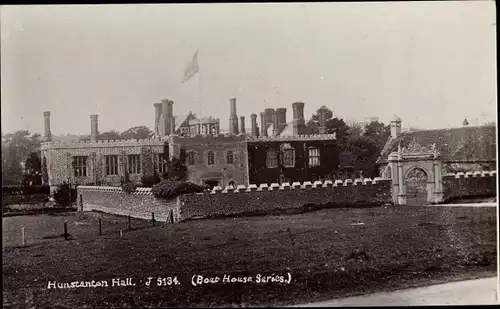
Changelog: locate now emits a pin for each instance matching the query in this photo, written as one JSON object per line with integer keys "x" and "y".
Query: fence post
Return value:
{"x": 65, "y": 231}
{"x": 81, "y": 202}
{"x": 129, "y": 225}
{"x": 100, "y": 228}
{"x": 172, "y": 216}
{"x": 153, "y": 217}
{"x": 24, "y": 239}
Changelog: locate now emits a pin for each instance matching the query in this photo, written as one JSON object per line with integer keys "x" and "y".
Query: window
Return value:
{"x": 190, "y": 158}
{"x": 162, "y": 163}
{"x": 271, "y": 159}
{"x": 111, "y": 165}
{"x": 79, "y": 166}
{"x": 211, "y": 158}
{"x": 314, "y": 156}
{"x": 134, "y": 164}
{"x": 289, "y": 157}
{"x": 230, "y": 157}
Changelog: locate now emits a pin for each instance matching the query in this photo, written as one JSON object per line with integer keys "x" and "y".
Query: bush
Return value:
{"x": 65, "y": 195}
{"x": 129, "y": 187}
{"x": 150, "y": 180}
{"x": 169, "y": 189}
{"x": 26, "y": 190}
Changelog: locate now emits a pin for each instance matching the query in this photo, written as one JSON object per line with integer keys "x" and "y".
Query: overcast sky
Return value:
{"x": 431, "y": 63}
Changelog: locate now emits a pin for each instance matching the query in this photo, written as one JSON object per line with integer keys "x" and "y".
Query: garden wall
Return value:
{"x": 462, "y": 185}
{"x": 139, "y": 204}
{"x": 230, "y": 201}
{"x": 266, "y": 199}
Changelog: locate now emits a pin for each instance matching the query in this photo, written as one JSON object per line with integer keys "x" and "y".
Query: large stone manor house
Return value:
{"x": 277, "y": 150}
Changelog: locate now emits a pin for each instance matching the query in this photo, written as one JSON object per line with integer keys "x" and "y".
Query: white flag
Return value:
{"x": 192, "y": 68}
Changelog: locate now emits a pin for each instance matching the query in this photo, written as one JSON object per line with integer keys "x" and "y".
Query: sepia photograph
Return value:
{"x": 227, "y": 155}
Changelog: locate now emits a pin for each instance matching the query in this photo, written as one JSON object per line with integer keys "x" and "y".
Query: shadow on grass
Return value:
{"x": 51, "y": 211}
{"x": 289, "y": 211}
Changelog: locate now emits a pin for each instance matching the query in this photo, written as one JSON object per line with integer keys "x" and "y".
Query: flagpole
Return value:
{"x": 199, "y": 88}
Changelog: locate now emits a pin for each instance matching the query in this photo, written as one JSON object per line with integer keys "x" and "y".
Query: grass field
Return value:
{"x": 328, "y": 253}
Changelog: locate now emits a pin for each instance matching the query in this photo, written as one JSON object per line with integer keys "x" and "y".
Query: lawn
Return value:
{"x": 329, "y": 253}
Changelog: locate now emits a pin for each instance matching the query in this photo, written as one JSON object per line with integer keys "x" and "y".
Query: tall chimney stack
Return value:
{"x": 47, "y": 134}
{"x": 172, "y": 125}
{"x": 94, "y": 130}
{"x": 275, "y": 124}
{"x": 298, "y": 118}
{"x": 157, "y": 118}
{"x": 281, "y": 113}
{"x": 263, "y": 124}
{"x": 242, "y": 125}
{"x": 165, "y": 107}
{"x": 322, "y": 121}
{"x": 269, "y": 115}
{"x": 233, "y": 118}
{"x": 395, "y": 126}
{"x": 254, "y": 132}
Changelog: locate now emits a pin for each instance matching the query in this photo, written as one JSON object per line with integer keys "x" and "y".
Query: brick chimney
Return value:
{"x": 242, "y": 125}
{"x": 281, "y": 113}
{"x": 322, "y": 121}
{"x": 395, "y": 126}
{"x": 298, "y": 118}
{"x": 172, "y": 125}
{"x": 269, "y": 115}
{"x": 254, "y": 125}
{"x": 233, "y": 117}
{"x": 94, "y": 130}
{"x": 275, "y": 124}
{"x": 263, "y": 124}
{"x": 157, "y": 117}
{"x": 47, "y": 134}
{"x": 166, "y": 112}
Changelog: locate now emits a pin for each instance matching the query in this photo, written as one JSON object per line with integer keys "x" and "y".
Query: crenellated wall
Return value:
{"x": 461, "y": 185}
{"x": 237, "y": 200}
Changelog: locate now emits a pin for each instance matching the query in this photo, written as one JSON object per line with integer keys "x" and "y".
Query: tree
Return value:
{"x": 328, "y": 113}
{"x": 138, "y": 132}
{"x": 379, "y": 132}
{"x": 16, "y": 147}
{"x": 33, "y": 170}
{"x": 356, "y": 129}
{"x": 333, "y": 125}
{"x": 361, "y": 153}
{"x": 176, "y": 167}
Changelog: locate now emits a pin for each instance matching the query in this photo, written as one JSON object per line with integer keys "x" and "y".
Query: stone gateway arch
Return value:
{"x": 416, "y": 177}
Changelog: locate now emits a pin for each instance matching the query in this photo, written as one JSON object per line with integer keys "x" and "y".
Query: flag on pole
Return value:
{"x": 192, "y": 68}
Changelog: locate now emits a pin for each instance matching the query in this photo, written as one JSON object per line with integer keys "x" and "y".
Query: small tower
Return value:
{"x": 465, "y": 123}
{"x": 395, "y": 126}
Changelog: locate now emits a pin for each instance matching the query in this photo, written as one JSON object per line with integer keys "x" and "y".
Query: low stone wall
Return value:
{"x": 139, "y": 204}
{"x": 230, "y": 201}
{"x": 461, "y": 185}
{"x": 265, "y": 199}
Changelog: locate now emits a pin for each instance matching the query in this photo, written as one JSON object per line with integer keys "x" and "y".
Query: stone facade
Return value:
{"x": 217, "y": 160}
{"x": 81, "y": 163}
{"x": 212, "y": 158}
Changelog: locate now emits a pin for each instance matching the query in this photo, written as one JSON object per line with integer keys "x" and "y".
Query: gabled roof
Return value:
{"x": 457, "y": 144}
{"x": 180, "y": 119}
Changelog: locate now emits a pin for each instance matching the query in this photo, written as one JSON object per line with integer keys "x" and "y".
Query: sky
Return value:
{"x": 430, "y": 63}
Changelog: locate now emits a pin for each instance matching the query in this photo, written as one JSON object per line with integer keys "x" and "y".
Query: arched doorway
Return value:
{"x": 416, "y": 187}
